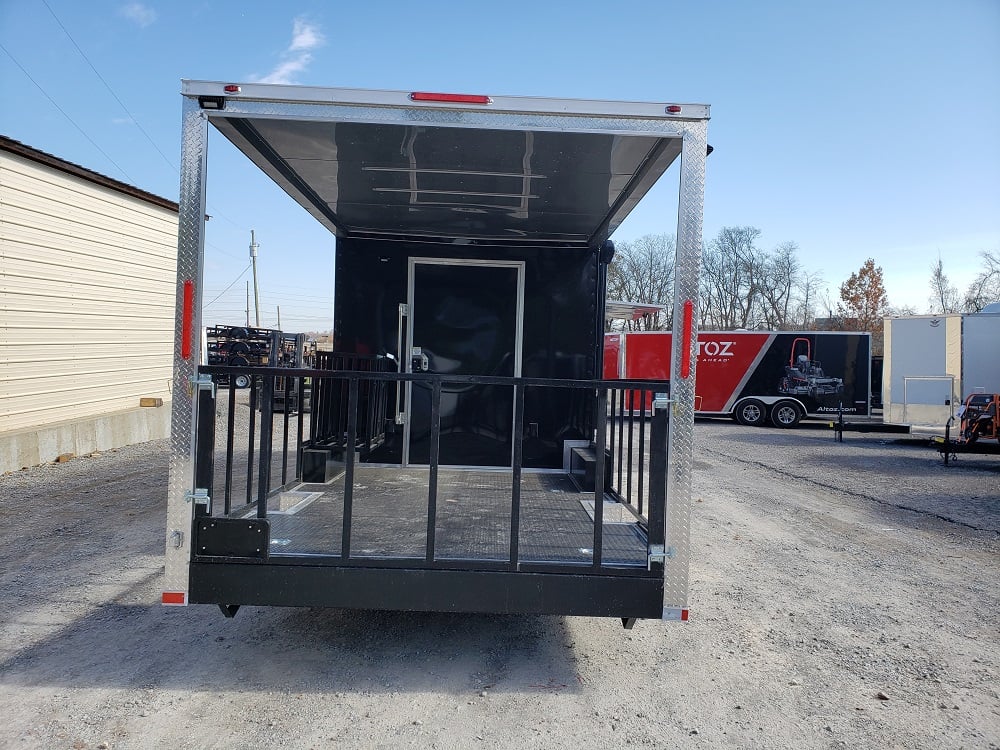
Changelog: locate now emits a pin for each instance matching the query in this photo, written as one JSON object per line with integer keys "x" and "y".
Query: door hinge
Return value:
{"x": 202, "y": 382}
{"x": 659, "y": 553}
{"x": 404, "y": 309}
{"x": 198, "y": 497}
{"x": 660, "y": 401}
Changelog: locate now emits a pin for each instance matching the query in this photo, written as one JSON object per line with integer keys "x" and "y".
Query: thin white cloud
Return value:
{"x": 305, "y": 38}
{"x": 138, "y": 13}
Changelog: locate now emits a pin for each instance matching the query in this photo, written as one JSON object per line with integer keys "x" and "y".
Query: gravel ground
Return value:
{"x": 842, "y": 595}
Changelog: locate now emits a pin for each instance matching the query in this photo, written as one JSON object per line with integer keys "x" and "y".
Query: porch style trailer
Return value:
{"x": 462, "y": 452}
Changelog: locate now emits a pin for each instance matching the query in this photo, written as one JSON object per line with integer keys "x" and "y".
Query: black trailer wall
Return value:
{"x": 842, "y": 356}
{"x": 560, "y": 334}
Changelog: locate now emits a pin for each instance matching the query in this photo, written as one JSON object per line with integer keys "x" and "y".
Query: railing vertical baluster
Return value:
{"x": 515, "y": 478}
{"x": 253, "y": 425}
{"x": 284, "y": 438}
{"x": 345, "y": 388}
{"x": 642, "y": 439}
{"x": 621, "y": 435}
{"x": 631, "y": 439}
{"x": 316, "y": 398}
{"x": 299, "y": 430}
{"x": 204, "y": 464}
{"x": 266, "y": 443}
{"x": 658, "y": 436}
{"x": 352, "y": 430}
{"x": 611, "y": 444}
{"x": 601, "y": 441}
{"x": 432, "y": 479}
{"x": 230, "y": 419}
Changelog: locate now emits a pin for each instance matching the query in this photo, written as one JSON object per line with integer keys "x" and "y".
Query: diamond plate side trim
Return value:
{"x": 686, "y": 285}
{"x": 190, "y": 260}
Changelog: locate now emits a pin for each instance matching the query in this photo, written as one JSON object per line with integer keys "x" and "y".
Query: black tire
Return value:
{"x": 786, "y": 414}
{"x": 751, "y": 412}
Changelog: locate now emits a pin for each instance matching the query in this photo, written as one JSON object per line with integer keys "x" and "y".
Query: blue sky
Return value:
{"x": 857, "y": 129}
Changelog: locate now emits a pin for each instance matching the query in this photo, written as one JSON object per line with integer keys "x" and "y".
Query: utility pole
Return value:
{"x": 248, "y": 304}
{"x": 256, "y": 289}
{"x": 279, "y": 317}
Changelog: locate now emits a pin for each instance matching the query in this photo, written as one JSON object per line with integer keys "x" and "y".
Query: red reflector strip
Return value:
{"x": 684, "y": 615}
{"x": 174, "y": 598}
{"x": 687, "y": 334}
{"x": 187, "y": 319}
{"x": 427, "y": 96}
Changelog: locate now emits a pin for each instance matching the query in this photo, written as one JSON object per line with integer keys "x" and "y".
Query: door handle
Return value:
{"x": 404, "y": 311}
{"x": 418, "y": 360}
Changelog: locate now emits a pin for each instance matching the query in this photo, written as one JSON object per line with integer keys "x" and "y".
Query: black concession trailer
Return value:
{"x": 462, "y": 451}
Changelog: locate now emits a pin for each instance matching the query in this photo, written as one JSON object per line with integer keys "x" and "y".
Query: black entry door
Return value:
{"x": 464, "y": 322}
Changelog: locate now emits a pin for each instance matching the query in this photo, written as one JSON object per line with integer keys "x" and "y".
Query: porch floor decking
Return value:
{"x": 389, "y": 518}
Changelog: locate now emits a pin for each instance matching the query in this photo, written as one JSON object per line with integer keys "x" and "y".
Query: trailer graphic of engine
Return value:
{"x": 804, "y": 376}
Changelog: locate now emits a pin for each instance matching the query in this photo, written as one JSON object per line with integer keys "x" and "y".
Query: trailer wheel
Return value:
{"x": 242, "y": 381}
{"x": 785, "y": 414}
{"x": 751, "y": 412}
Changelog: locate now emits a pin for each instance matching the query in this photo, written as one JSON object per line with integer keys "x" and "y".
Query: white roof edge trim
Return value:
{"x": 375, "y": 97}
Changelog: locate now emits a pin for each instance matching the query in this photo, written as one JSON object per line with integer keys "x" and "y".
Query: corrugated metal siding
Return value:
{"x": 87, "y": 282}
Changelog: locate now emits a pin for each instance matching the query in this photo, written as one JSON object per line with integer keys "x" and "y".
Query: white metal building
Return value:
{"x": 87, "y": 280}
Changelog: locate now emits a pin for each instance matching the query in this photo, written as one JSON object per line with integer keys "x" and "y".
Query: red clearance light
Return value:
{"x": 231, "y": 88}
{"x": 426, "y": 96}
{"x": 687, "y": 336}
{"x": 674, "y": 109}
{"x": 187, "y": 319}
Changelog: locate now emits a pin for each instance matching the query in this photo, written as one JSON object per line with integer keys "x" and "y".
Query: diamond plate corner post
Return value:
{"x": 680, "y": 455}
{"x": 190, "y": 263}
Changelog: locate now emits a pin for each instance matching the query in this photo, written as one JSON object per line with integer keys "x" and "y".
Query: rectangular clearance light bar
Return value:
{"x": 427, "y": 96}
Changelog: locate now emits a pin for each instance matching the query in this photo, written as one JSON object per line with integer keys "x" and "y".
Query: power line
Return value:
{"x": 63, "y": 112}
{"x": 110, "y": 90}
{"x": 242, "y": 273}
{"x": 125, "y": 109}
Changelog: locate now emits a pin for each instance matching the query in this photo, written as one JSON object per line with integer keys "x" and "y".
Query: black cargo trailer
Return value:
{"x": 462, "y": 451}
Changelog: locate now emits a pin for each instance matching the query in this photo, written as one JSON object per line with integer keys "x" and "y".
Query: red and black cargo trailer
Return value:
{"x": 757, "y": 376}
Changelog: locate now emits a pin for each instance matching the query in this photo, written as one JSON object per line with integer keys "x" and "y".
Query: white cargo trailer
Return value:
{"x": 932, "y": 362}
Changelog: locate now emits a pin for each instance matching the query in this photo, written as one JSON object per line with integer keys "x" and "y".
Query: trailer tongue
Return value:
{"x": 462, "y": 452}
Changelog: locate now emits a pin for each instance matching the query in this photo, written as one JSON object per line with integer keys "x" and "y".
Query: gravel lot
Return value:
{"x": 842, "y": 595}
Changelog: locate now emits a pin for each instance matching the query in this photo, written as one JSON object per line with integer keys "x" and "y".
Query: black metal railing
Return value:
{"x": 625, "y": 449}
{"x": 330, "y": 397}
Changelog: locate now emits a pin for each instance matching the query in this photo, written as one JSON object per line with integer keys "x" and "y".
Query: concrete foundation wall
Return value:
{"x": 80, "y": 437}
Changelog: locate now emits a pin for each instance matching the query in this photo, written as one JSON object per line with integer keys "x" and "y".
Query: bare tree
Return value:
{"x": 780, "y": 271}
{"x": 643, "y": 271}
{"x": 809, "y": 291}
{"x": 944, "y": 296}
{"x": 985, "y": 288}
{"x": 732, "y": 266}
